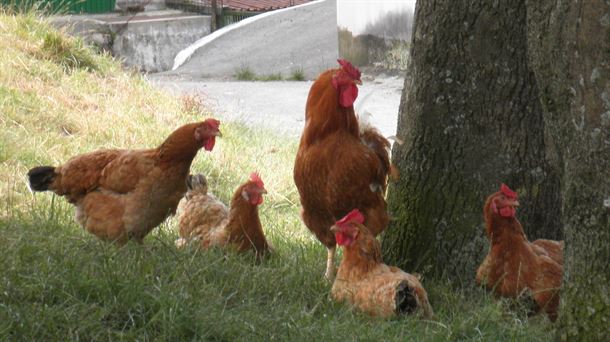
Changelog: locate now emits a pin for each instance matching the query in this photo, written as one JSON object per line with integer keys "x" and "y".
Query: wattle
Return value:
{"x": 508, "y": 212}
{"x": 343, "y": 240}
{"x": 348, "y": 94}
{"x": 209, "y": 143}
{"x": 256, "y": 200}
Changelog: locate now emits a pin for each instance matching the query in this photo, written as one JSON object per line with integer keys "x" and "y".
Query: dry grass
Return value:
{"x": 59, "y": 98}
{"x": 53, "y": 110}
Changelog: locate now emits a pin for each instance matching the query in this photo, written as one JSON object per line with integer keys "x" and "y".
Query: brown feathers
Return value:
{"x": 514, "y": 266}
{"x": 207, "y": 220}
{"x": 338, "y": 167}
{"x": 124, "y": 194}
{"x": 364, "y": 281}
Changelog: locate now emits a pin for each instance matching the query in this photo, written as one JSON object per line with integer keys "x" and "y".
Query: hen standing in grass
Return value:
{"x": 124, "y": 194}
{"x": 337, "y": 166}
{"x": 514, "y": 266}
{"x": 205, "y": 218}
{"x": 366, "y": 282}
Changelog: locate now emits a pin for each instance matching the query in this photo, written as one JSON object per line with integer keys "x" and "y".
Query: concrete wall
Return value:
{"x": 302, "y": 37}
{"x": 151, "y": 45}
{"x": 147, "y": 42}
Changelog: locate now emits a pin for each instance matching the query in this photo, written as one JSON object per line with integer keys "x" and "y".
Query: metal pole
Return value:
{"x": 214, "y": 12}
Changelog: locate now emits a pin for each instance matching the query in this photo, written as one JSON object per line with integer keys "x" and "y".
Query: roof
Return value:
{"x": 259, "y": 5}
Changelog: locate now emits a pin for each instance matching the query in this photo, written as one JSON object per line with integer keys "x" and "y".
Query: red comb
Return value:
{"x": 213, "y": 123}
{"x": 507, "y": 191}
{"x": 349, "y": 69}
{"x": 353, "y": 216}
{"x": 256, "y": 178}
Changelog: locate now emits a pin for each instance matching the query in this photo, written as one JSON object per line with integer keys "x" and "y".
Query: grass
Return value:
{"x": 396, "y": 57}
{"x": 363, "y": 50}
{"x": 246, "y": 74}
{"x": 270, "y": 77}
{"x": 297, "y": 75}
{"x": 59, "y": 283}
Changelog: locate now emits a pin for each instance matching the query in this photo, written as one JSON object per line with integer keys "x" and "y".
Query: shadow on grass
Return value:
{"x": 59, "y": 281}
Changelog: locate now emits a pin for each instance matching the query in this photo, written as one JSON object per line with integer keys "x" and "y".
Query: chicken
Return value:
{"x": 371, "y": 137}
{"x": 366, "y": 282}
{"x": 124, "y": 194}
{"x": 198, "y": 210}
{"x": 208, "y": 220}
{"x": 515, "y": 267}
{"x": 550, "y": 248}
{"x": 338, "y": 167}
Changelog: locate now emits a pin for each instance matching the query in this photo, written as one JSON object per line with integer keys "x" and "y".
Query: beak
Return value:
{"x": 514, "y": 203}
{"x": 218, "y": 134}
{"x": 358, "y": 82}
{"x": 334, "y": 229}
{"x": 263, "y": 191}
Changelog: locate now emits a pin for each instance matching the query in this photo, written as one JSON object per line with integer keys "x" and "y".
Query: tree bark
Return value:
{"x": 569, "y": 44}
{"x": 471, "y": 119}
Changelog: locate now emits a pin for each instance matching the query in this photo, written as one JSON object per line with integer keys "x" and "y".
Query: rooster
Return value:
{"x": 338, "y": 167}
{"x": 207, "y": 220}
{"x": 123, "y": 194}
{"x": 366, "y": 282}
{"x": 514, "y": 266}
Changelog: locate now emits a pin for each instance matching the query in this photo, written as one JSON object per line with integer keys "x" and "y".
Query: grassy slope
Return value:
{"x": 58, "y": 99}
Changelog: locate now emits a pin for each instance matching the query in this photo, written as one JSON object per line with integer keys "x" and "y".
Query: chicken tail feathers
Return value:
{"x": 406, "y": 302}
{"x": 41, "y": 177}
{"x": 197, "y": 182}
{"x": 410, "y": 299}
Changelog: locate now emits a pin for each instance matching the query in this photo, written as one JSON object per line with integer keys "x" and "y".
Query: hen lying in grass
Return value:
{"x": 206, "y": 219}
{"x": 515, "y": 267}
{"x": 366, "y": 282}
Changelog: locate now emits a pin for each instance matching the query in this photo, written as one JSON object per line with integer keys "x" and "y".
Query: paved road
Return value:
{"x": 281, "y": 105}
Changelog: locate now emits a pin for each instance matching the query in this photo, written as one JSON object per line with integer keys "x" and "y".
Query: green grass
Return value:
{"x": 270, "y": 77}
{"x": 297, "y": 75}
{"x": 57, "y": 282}
{"x": 246, "y": 74}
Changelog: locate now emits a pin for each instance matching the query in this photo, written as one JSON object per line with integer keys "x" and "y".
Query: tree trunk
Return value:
{"x": 569, "y": 45}
{"x": 471, "y": 119}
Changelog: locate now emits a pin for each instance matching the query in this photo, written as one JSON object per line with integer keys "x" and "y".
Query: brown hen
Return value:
{"x": 124, "y": 194}
{"x": 364, "y": 281}
{"x": 338, "y": 167}
{"x": 514, "y": 267}
{"x": 207, "y": 220}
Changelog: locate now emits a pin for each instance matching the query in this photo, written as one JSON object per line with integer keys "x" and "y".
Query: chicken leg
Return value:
{"x": 330, "y": 264}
